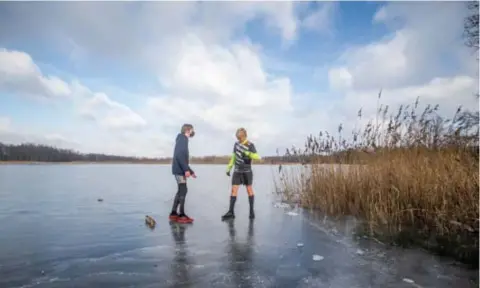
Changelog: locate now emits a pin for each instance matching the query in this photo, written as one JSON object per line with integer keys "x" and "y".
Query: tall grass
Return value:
{"x": 416, "y": 182}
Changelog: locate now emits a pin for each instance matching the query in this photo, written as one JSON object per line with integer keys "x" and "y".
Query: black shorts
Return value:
{"x": 242, "y": 178}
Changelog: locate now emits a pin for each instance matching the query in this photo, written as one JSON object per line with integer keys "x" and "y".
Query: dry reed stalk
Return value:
{"x": 420, "y": 186}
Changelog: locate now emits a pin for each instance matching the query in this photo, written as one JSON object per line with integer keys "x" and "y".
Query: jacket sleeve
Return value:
{"x": 181, "y": 155}
{"x": 187, "y": 159}
{"x": 231, "y": 162}
{"x": 253, "y": 152}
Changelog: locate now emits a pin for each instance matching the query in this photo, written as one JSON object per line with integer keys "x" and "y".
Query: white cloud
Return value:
{"x": 18, "y": 74}
{"x": 449, "y": 93}
{"x": 4, "y": 123}
{"x": 340, "y": 78}
{"x": 110, "y": 114}
{"x": 90, "y": 141}
{"x": 224, "y": 18}
{"x": 11, "y": 134}
{"x": 150, "y": 27}
{"x": 224, "y": 87}
{"x": 423, "y": 46}
{"x": 320, "y": 20}
{"x": 377, "y": 64}
{"x": 211, "y": 73}
{"x": 208, "y": 80}
{"x": 413, "y": 61}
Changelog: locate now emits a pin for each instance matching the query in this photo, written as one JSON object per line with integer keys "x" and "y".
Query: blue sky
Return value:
{"x": 125, "y": 78}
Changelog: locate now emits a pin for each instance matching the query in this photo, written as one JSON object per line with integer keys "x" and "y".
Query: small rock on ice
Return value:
{"x": 317, "y": 257}
{"x": 281, "y": 205}
{"x": 291, "y": 213}
{"x": 408, "y": 280}
{"x": 299, "y": 244}
{"x": 360, "y": 252}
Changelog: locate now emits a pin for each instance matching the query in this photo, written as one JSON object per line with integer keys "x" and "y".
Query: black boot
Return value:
{"x": 230, "y": 214}
{"x": 251, "y": 201}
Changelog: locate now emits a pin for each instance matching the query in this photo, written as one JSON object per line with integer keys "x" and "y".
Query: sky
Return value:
{"x": 122, "y": 77}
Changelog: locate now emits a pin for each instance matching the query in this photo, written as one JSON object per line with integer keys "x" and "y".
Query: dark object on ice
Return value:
{"x": 100, "y": 200}
{"x": 150, "y": 222}
{"x": 228, "y": 216}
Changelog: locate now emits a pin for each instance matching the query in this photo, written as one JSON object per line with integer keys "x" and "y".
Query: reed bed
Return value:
{"x": 413, "y": 178}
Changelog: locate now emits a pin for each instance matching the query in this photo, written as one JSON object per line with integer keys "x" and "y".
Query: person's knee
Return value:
{"x": 181, "y": 179}
{"x": 182, "y": 189}
{"x": 234, "y": 190}
{"x": 250, "y": 190}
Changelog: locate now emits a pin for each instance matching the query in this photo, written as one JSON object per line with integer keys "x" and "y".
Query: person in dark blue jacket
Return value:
{"x": 181, "y": 170}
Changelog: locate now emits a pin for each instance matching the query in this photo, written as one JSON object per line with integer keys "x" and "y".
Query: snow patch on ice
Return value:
{"x": 408, "y": 280}
{"x": 360, "y": 252}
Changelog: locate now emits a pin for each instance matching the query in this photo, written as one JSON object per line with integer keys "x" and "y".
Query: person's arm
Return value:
{"x": 187, "y": 158}
{"x": 231, "y": 162}
{"x": 181, "y": 154}
{"x": 252, "y": 153}
{"x": 191, "y": 170}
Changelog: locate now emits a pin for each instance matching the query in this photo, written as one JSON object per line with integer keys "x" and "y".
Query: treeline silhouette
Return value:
{"x": 30, "y": 152}
{"x": 42, "y": 153}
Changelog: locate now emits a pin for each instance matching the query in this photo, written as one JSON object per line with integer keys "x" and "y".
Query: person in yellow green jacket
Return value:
{"x": 241, "y": 161}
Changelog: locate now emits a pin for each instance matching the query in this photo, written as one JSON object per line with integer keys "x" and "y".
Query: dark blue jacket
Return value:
{"x": 180, "y": 162}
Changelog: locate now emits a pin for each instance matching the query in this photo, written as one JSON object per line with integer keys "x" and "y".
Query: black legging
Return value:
{"x": 180, "y": 198}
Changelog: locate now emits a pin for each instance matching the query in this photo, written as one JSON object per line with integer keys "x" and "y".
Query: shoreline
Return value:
{"x": 122, "y": 163}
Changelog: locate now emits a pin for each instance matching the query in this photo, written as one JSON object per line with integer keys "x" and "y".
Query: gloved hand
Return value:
{"x": 228, "y": 173}
{"x": 247, "y": 153}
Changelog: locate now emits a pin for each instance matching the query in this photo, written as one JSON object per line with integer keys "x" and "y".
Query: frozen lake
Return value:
{"x": 54, "y": 233}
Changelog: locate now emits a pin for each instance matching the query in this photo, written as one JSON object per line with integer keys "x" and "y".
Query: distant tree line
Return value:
{"x": 30, "y": 152}
{"x": 42, "y": 153}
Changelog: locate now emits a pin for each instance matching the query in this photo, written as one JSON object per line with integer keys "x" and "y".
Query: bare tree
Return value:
{"x": 471, "y": 26}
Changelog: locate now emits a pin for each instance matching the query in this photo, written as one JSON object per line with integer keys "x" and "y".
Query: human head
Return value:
{"x": 241, "y": 134}
{"x": 187, "y": 130}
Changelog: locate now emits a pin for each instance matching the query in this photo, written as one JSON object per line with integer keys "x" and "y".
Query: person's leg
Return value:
{"x": 236, "y": 181}
{"x": 233, "y": 198}
{"x": 182, "y": 217}
{"x": 183, "y": 194}
{"x": 251, "y": 195}
{"x": 180, "y": 200}
{"x": 176, "y": 201}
